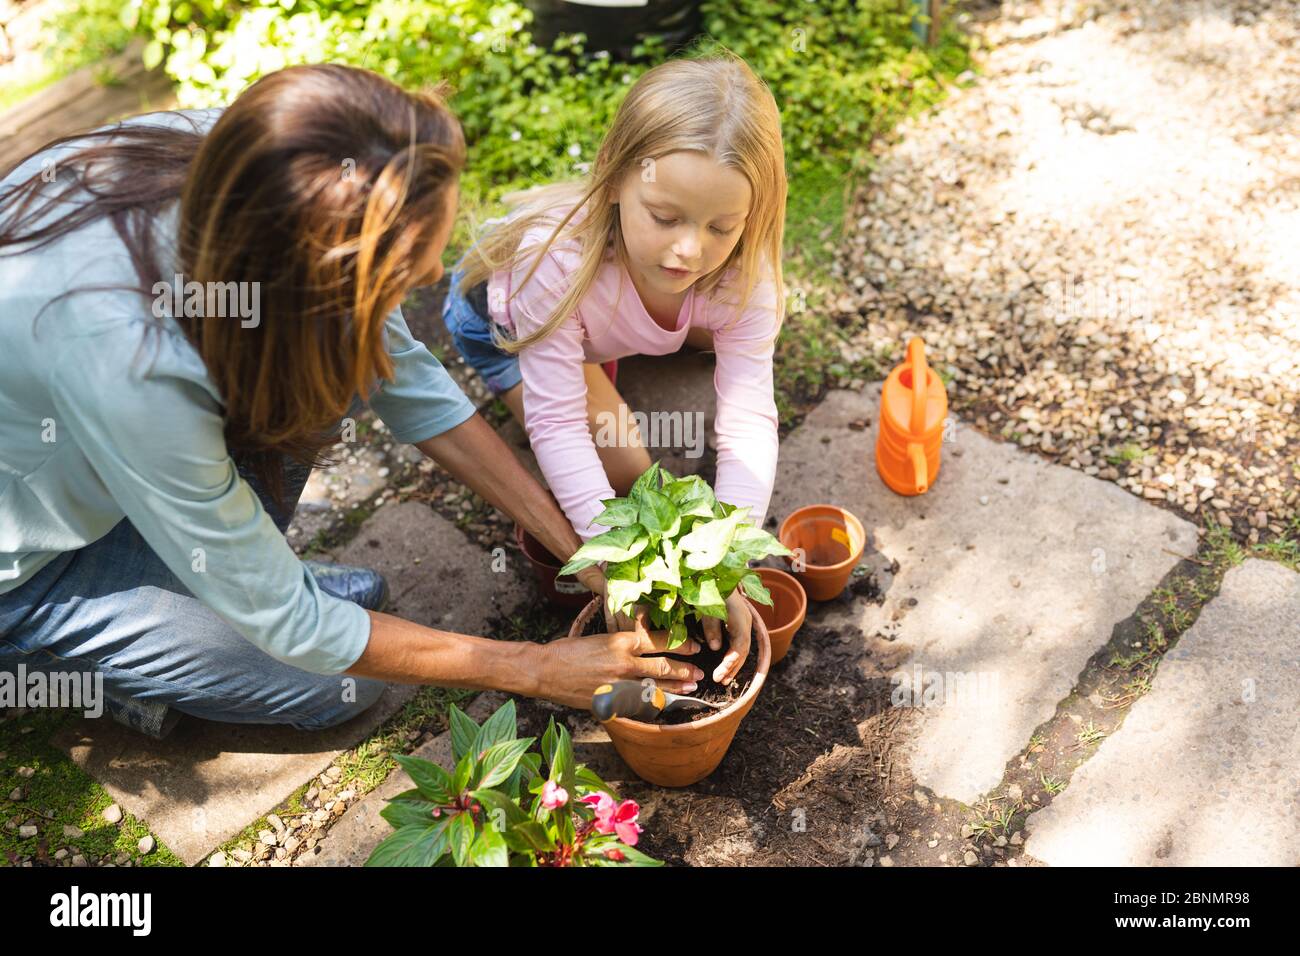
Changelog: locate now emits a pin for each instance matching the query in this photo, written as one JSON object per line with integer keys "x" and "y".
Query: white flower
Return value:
{"x": 545, "y": 109}
{"x": 575, "y": 150}
{"x": 514, "y": 136}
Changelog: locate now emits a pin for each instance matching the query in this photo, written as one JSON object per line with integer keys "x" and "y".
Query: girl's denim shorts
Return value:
{"x": 466, "y": 318}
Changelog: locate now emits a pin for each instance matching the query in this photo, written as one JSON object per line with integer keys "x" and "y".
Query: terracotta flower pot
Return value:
{"x": 565, "y": 592}
{"x": 831, "y": 539}
{"x": 678, "y": 755}
{"x": 789, "y": 607}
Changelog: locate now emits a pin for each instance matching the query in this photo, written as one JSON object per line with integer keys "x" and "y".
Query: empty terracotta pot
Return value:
{"x": 566, "y": 591}
{"x": 678, "y": 755}
{"x": 789, "y": 607}
{"x": 831, "y": 542}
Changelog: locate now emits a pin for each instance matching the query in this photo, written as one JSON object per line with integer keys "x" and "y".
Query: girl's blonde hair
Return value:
{"x": 713, "y": 104}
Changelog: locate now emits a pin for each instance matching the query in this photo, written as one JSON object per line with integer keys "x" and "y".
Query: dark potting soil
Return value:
{"x": 807, "y": 773}
{"x": 595, "y": 624}
{"x": 707, "y": 661}
{"x": 810, "y": 778}
{"x": 708, "y": 689}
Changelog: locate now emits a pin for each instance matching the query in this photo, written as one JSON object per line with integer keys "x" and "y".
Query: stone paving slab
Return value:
{"x": 207, "y": 780}
{"x": 679, "y": 390}
{"x": 366, "y": 470}
{"x": 436, "y": 575}
{"x": 1012, "y": 571}
{"x": 670, "y": 386}
{"x": 1205, "y": 770}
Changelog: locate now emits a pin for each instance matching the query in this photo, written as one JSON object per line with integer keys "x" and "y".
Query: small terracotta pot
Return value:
{"x": 678, "y": 755}
{"x": 789, "y": 607}
{"x": 567, "y": 591}
{"x": 831, "y": 539}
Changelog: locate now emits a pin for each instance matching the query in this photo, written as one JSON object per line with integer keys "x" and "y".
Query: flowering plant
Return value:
{"x": 676, "y": 548}
{"x": 497, "y": 809}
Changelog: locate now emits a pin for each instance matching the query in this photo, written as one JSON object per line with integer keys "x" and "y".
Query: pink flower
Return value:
{"x": 615, "y": 818}
{"x": 604, "y": 805}
{"x": 553, "y": 796}
{"x": 625, "y": 824}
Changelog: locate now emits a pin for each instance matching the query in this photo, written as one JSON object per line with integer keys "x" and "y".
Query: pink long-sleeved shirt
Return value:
{"x": 608, "y": 325}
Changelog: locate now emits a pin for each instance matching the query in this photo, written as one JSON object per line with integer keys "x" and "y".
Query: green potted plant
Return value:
{"x": 678, "y": 552}
{"x": 496, "y": 808}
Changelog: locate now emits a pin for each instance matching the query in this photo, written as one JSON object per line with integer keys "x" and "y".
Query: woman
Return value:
{"x": 294, "y": 222}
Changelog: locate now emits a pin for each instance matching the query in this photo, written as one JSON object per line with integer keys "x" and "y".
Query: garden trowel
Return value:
{"x": 639, "y": 701}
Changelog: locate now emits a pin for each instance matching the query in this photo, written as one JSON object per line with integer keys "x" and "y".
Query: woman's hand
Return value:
{"x": 573, "y": 667}
{"x": 740, "y": 621}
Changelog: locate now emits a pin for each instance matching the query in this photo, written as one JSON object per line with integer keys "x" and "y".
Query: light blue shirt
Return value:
{"x": 91, "y": 433}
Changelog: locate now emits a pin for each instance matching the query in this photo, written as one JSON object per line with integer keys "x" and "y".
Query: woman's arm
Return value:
{"x": 566, "y": 670}
{"x": 155, "y": 440}
{"x": 475, "y": 455}
{"x": 422, "y": 405}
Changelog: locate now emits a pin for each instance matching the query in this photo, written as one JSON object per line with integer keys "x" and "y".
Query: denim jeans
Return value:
{"x": 469, "y": 325}
{"x": 115, "y": 608}
{"x": 466, "y": 318}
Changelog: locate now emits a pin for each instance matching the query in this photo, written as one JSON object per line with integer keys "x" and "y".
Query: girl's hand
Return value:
{"x": 594, "y": 578}
{"x": 740, "y": 622}
{"x": 573, "y": 667}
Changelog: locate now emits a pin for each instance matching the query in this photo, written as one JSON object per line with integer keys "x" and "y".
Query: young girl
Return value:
{"x": 674, "y": 238}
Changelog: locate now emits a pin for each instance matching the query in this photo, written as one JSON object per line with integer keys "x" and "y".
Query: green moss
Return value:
{"x": 61, "y": 786}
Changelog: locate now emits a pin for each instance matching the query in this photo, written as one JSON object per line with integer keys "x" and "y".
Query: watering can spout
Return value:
{"x": 920, "y": 471}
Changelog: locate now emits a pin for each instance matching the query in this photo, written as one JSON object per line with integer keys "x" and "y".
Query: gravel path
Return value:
{"x": 1100, "y": 239}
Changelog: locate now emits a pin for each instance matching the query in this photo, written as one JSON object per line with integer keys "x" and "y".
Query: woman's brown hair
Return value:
{"x": 324, "y": 184}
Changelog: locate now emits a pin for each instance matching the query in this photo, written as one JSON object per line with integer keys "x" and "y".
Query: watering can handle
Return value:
{"x": 916, "y": 357}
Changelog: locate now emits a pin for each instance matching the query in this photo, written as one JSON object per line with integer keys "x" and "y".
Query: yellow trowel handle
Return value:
{"x": 628, "y": 698}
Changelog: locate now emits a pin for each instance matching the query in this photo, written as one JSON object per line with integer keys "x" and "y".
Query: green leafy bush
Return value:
{"x": 84, "y": 31}
{"x": 480, "y": 813}
{"x": 676, "y": 548}
{"x": 841, "y": 70}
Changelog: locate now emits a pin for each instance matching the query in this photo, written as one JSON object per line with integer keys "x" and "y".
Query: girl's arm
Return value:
{"x": 555, "y": 400}
{"x": 746, "y": 422}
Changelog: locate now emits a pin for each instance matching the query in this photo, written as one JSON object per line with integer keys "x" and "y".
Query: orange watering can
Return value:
{"x": 913, "y": 406}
